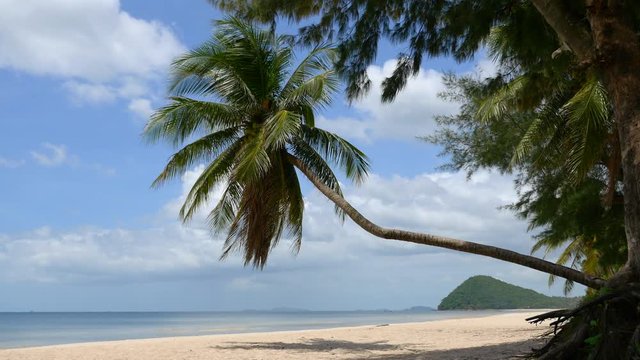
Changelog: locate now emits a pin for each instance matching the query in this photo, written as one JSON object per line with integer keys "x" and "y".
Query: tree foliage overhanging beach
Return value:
{"x": 597, "y": 38}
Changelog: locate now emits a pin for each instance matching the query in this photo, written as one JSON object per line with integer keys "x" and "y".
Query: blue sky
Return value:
{"x": 80, "y": 228}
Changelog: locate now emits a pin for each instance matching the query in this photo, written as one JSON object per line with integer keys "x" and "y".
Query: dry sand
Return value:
{"x": 502, "y": 336}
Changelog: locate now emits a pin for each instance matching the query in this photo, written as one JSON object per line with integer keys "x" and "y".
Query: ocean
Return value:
{"x": 50, "y": 328}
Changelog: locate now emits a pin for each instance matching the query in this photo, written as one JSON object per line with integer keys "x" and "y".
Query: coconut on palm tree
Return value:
{"x": 243, "y": 107}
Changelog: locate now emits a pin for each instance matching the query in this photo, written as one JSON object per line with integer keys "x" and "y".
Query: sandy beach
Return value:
{"x": 502, "y": 336}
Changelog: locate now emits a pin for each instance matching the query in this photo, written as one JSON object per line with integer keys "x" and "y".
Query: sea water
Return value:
{"x": 49, "y": 328}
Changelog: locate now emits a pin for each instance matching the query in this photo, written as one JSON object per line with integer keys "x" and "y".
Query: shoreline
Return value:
{"x": 502, "y": 335}
{"x": 206, "y": 324}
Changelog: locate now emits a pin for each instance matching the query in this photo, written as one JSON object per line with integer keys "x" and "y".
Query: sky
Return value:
{"x": 81, "y": 229}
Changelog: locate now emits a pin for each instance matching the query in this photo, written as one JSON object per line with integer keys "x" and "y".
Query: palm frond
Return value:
{"x": 316, "y": 90}
{"x": 184, "y": 117}
{"x": 317, "y": 60}
{"x": 209, "y": 71}
{"x": 503, "y": 100}
{"x": 260, "y": 219}
{"x": 281, "y": 127}
{"x": 589, "y": 121}
{"x": 295, "y": 201}
{"x": 545, "y": 136}
{"x": 253, "y": 158}
{"x": 213, "y": 174}
{"x": 226, "y": 209}
{"x": 201, "y": 150}
{"x": 307, "y": 114}
{"x": 339, "y": 151}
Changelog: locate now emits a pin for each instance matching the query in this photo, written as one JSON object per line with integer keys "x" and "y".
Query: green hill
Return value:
{"x": 485, "y": 292}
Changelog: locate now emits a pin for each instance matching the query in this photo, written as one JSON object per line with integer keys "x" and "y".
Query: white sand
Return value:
{"x": 494, "y": 337}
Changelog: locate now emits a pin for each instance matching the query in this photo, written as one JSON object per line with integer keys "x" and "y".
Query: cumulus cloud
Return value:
{"x": 335, "y": 258}
{"x": 409, "y": 115}
{"x": 101, "y": 51}
{"x": 96, "y": 254}
{"x": 92, "y": 40}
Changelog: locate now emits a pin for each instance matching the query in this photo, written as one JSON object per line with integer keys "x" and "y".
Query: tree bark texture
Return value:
{"x": 570, "y": 31}
{"x": 617, "y": 55}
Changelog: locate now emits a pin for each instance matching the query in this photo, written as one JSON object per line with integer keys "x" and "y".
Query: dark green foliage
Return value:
{"x": 557, "y": 142}
{"x": 472, "y": 144}
{"x": 593, "y": 237}
{"x": 484, "y": 292}
{"x": 424, "y": 28}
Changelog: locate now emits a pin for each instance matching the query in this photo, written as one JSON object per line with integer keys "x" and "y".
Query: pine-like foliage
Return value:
{"x": 553, "y": 130}
{"x": 242, "y": 106}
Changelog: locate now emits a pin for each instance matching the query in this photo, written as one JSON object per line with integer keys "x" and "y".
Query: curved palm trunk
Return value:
{"x": 445, "y": 242}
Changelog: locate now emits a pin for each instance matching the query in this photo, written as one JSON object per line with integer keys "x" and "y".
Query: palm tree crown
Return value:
{"x": 241, "y": 107}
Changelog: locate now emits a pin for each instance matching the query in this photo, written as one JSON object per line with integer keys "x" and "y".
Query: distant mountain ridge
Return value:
{"x": 413, "y": 309}
{"x": 484, "y": 292}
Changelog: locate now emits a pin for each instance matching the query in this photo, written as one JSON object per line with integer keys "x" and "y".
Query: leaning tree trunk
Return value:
{"x": 445, "y": 242}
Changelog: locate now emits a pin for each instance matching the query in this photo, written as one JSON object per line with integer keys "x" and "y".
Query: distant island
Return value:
{"x": 419, "y": 309}
{"x": 484, "y": 292}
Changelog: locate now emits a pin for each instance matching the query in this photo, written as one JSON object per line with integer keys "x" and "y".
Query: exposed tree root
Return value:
{"x": 606, "y": 327}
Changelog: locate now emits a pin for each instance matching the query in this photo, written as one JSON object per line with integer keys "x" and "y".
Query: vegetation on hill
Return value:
{"x": 485, "y": 292}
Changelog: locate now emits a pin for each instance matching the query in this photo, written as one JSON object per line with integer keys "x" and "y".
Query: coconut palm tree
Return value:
{"x": 253, "y": 124}
{"x": 241, "y": 107}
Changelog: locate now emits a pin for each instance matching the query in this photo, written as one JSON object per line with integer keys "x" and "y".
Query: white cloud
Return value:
{"x": 100, "y": 51}
{"x": 92, "y": 40}
{"x": 337, "y": 261}
{"x": 90, "y": 92}
{"x": 409, "y": 115}
{"x": 412, "y": 112}
{"x": 52, "y": 155}
{"x": 10, "y": 163}
{"x": 104, "y": 254}
{"x": 55, "y": 155}
{"x": 141, "y": 107}
{"x": 438, "y": 203}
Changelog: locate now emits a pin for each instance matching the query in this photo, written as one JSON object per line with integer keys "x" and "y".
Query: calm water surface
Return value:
{"x": 36, "y": 329}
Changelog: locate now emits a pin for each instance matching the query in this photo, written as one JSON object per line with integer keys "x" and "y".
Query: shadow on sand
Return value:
{"x": 314, "y": 345}
{"x": 516, "y": 350}
{"x": 362, "y": 350}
